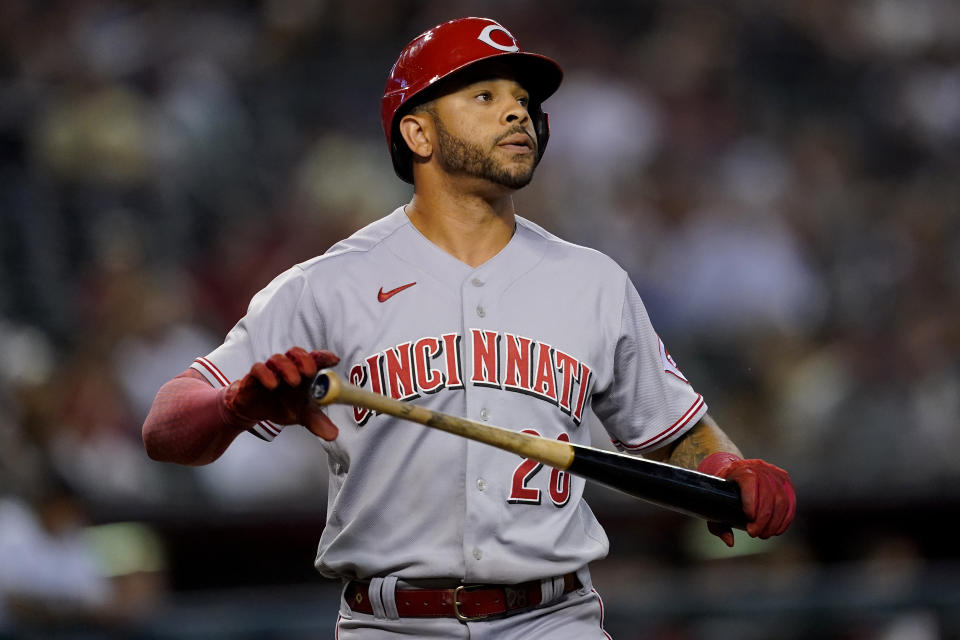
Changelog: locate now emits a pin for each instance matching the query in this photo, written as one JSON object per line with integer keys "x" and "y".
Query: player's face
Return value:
{"x": 484, "y": 131}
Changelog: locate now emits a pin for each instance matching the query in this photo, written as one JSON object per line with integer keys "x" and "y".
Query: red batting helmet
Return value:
{"x": 451, "y": 47}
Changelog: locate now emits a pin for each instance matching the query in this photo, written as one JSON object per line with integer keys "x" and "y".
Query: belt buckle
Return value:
{"x": 456, "y": 603}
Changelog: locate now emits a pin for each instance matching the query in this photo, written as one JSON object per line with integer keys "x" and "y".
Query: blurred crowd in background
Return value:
{"x": 780, "y": 179}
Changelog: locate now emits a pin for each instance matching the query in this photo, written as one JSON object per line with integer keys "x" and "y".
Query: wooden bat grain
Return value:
{"x": 671, "y": 487}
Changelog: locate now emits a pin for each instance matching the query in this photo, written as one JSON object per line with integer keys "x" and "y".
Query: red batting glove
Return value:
{"x": 278, "y": 390}
{"x": 769, "y": 500}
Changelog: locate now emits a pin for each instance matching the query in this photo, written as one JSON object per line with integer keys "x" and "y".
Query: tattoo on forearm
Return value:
{"x": 691, "y": 451}
{"x": 705, "y": 438}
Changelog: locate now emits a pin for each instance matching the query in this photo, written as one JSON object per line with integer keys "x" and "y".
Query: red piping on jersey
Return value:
{"x": 216, "y": 373}
{"x": 224, "y": 381}
{"x": 676, "y": 426}
{"x": 600, "y": 602}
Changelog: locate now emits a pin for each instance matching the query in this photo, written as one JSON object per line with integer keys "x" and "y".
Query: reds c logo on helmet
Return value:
{"x": 485, "y": 36}
{"x": 451, "y": 47}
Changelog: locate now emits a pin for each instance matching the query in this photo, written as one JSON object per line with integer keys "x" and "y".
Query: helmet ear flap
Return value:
{"x": 402, "y": 159}
{"x": 541, "y": 125}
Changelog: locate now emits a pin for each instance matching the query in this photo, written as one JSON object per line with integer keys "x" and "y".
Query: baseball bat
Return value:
{"x": 675, "y": 488}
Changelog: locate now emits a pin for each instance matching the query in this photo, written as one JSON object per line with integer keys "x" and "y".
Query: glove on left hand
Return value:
{"x": 277, "y": 390}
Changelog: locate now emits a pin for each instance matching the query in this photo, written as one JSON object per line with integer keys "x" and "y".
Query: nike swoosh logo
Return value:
{"x": 383, "y": 296}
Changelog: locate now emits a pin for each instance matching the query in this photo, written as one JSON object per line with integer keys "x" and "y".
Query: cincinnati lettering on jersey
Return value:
{"x": 499, "y": 360}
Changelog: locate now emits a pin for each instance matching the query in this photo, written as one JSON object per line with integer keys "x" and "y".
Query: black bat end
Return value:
{"x": 675, "y": 488}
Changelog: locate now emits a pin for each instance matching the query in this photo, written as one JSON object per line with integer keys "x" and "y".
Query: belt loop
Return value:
{"x": 551, "y": 589}
{"x": 376, "y": 601}
{"x": 558, "y": 587}
{"x": 388, "y": 596}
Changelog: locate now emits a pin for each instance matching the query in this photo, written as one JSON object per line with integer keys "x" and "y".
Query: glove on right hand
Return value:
{"x": 278, "y": 390}
{"x": 769, "y": 499}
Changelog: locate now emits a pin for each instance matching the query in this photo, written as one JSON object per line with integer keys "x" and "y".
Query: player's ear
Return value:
{"x": 418, "y": 132}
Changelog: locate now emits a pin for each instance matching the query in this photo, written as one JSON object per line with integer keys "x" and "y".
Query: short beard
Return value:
{"x": 459, "y": 157}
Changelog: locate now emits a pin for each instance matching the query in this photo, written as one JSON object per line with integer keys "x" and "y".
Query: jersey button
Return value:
{"x": 477, "y": 282}
{"x": 477, "y": 553}
{"x": 484, "y": 414}
{"x": 481, "y": 484}
{"x": 480, "y": 311}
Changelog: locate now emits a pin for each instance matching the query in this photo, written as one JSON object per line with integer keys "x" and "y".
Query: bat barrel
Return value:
{"x": 677, "y": 489}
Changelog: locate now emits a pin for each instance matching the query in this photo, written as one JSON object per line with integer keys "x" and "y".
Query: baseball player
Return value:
{"x": 455, "y": 302}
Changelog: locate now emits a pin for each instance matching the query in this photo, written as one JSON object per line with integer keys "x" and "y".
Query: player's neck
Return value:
{"x": 472, "y": 229}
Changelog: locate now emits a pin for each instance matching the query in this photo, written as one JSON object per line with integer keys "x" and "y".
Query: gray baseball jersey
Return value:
{"x": 546, "y": 337}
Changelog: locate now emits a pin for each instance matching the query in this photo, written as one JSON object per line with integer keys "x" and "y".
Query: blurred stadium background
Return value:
{"x": 780, "y": 178}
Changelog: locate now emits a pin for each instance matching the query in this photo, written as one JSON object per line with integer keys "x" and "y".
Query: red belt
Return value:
{"x": 465, "y": 603}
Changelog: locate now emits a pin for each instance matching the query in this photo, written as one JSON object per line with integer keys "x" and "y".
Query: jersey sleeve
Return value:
{"x": 276, "y": 320}
{"x": 649, "y": 402}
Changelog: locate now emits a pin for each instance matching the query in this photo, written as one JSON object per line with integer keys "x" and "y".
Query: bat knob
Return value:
{"x": 320, "y": 386}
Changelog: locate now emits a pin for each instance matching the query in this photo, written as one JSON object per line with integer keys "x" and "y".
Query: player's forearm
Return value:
{"x": 705, "y": 438}
{"x": 187, "y": 423}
